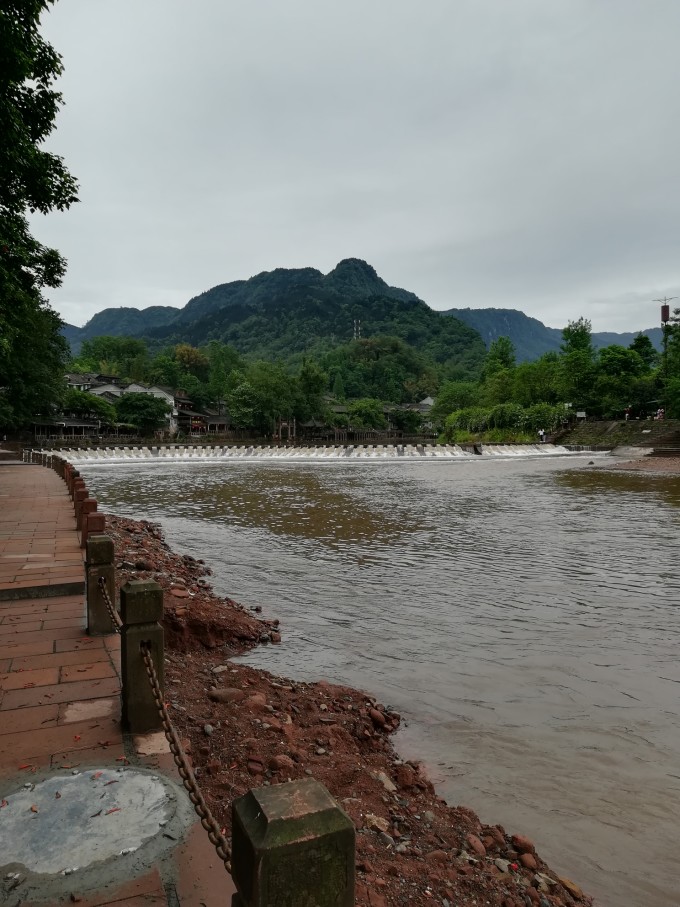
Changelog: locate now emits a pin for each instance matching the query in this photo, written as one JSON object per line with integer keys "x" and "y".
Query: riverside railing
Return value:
{"x": 291, "y": 843}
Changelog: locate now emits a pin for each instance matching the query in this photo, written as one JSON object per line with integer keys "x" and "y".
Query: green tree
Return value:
{"x": 670, "y": 367}
{"x": 79, "y": 403}
{"x": 338, "y": 386}
{"x": 577, "y": 335}
{"x": 192, "y": 361}
{"x": 222, "y": 360}
{"x": 644, "y": 347}
{"x": 454, "y": 395}
{"x": 537, "y": 382}
{"x": 32, "y": 369}
{"x": 242, "y": 404}
{"x": 410, "y": 421}
{"x": 312, "y": 384}
{"x": 367, "y": 414}
{"x": 125, "y": 357}
{"x": 197, "y": 390}
{"x": 275, "y": 393}
{"x": 144, "y": 411}
{"x": 165, "y": 370}
{"x": 616, "y": 361}
{"x": 33, "y": 355}
{"x": 501, "y": 357}
{"x": 577, "y": 364}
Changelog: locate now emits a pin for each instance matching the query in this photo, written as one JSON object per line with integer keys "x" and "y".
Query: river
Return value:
{"x": 522, "y": 615}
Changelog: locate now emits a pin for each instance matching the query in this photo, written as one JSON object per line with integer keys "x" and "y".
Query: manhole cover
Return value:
{"x": 69, "y": 822}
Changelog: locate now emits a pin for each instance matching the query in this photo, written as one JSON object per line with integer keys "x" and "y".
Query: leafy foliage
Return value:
{"x": 32, "y": 351}
{"x": 607, "y": 383}
{"x": 143, "y": 411}
{"x": 90, "y": 406}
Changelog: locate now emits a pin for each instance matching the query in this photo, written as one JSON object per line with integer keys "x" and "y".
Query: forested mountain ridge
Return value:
{"x": 530, "y": 337}
{"x": 350, "y": 279}
{"x": 290, "y": 311}
{"x": 287, "y": 312}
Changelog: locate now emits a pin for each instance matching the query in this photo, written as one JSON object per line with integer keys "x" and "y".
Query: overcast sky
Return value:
{"x": 511, "y": 153}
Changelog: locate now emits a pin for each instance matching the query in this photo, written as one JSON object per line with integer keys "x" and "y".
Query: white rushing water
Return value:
{"x": 182, "y": 452}
{"x": 523, "y": 614}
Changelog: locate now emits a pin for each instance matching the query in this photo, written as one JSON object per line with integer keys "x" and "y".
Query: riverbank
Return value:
{"x": 658, "y": 465}
{"x": 245, "y": 727}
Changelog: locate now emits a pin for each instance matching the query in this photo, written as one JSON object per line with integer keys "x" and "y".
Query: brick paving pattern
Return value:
{"x": 60, "y": 688}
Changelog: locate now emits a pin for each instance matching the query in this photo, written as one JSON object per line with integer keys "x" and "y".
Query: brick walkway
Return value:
{"x": 59, "y": 689}
{"x": 39, "y": 548}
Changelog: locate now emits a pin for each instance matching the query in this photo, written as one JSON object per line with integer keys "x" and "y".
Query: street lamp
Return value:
{"x": 665, "y": 318}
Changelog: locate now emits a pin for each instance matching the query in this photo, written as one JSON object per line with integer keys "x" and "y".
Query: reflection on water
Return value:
{"x": 522, "y": 616}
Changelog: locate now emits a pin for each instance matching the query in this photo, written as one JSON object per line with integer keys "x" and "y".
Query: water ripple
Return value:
{"x": 523, "y": 616}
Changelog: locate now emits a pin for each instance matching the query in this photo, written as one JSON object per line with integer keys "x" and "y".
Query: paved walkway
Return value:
{"x": 60, "y": 704}
{"x": 39, "y": 549}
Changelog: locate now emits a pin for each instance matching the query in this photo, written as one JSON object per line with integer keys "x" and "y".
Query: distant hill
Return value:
{"x": 530, "y": 337}
{"x": 287, "y": 312}
{"x": 122, "y": 322}
{"x": 284, "y": 313}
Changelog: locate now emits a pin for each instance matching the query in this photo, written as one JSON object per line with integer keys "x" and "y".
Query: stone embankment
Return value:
{"x": 244, "y": 728}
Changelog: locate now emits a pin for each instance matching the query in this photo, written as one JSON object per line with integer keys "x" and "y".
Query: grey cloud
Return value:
{"x": 478, "y": 153}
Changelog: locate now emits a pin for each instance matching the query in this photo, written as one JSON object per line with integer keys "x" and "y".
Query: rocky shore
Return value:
{"x": 244, "y": 728}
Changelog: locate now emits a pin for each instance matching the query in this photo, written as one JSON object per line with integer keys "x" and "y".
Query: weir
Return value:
{"x": 159, "y": 454}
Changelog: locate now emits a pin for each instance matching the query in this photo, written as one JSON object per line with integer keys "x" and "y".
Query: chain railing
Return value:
{"x": 208, "y": 821}
{"x": 116, "y": 622}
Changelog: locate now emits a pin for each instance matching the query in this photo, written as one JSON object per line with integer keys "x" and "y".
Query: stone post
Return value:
{"x": 141, "y": 607}
{"x": 78, "y": 485}
{"x": 99, "y": 563}
{"x": 75, "y": 477}
{"x": 78, "y": 498}
{"x": 292, "y": 845}
{"x": 93, "y": 524}
{"x": 89, "y": 505}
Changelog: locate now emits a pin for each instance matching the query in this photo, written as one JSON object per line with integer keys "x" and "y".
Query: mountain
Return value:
{"x": 284, "y": 313}
{"x": 530, "y": 337}
{"x": 122, "y": 322}
{"x": 288, "y": 312}
{"x": 350, "y": 279}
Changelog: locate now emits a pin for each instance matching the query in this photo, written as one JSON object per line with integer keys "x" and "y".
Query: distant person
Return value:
{"x": 541, "y": 435}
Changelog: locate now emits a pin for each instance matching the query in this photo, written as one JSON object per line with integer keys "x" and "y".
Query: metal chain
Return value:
{"x": 113, "y": 614}
{"x": 208, "y": 822}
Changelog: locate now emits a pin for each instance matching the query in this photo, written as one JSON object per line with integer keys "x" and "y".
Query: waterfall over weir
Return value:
{"x": 160, "y": 454}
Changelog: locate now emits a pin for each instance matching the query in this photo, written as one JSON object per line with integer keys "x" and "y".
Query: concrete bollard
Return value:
{"x": 93, "y": 524}
{"x": 141, "y": 607}
{"x": 99, "y": 563}
{"x": 292, "y": 845}
{"x": 75, "y": 476}
{"x": 78, "y": 498}
{"x": 89, "y": 505}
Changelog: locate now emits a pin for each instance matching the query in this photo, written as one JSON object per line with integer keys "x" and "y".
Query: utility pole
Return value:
{"x": 665, "y": 318}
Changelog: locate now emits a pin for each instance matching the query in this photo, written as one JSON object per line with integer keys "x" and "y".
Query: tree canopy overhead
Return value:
{"x": 32, "y": 352}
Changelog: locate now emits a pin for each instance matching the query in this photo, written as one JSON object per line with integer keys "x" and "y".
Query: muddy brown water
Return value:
{"x": 523, "y": 616}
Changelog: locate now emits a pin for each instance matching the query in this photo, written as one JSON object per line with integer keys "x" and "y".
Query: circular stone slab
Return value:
{"x": 68, "y": 822}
